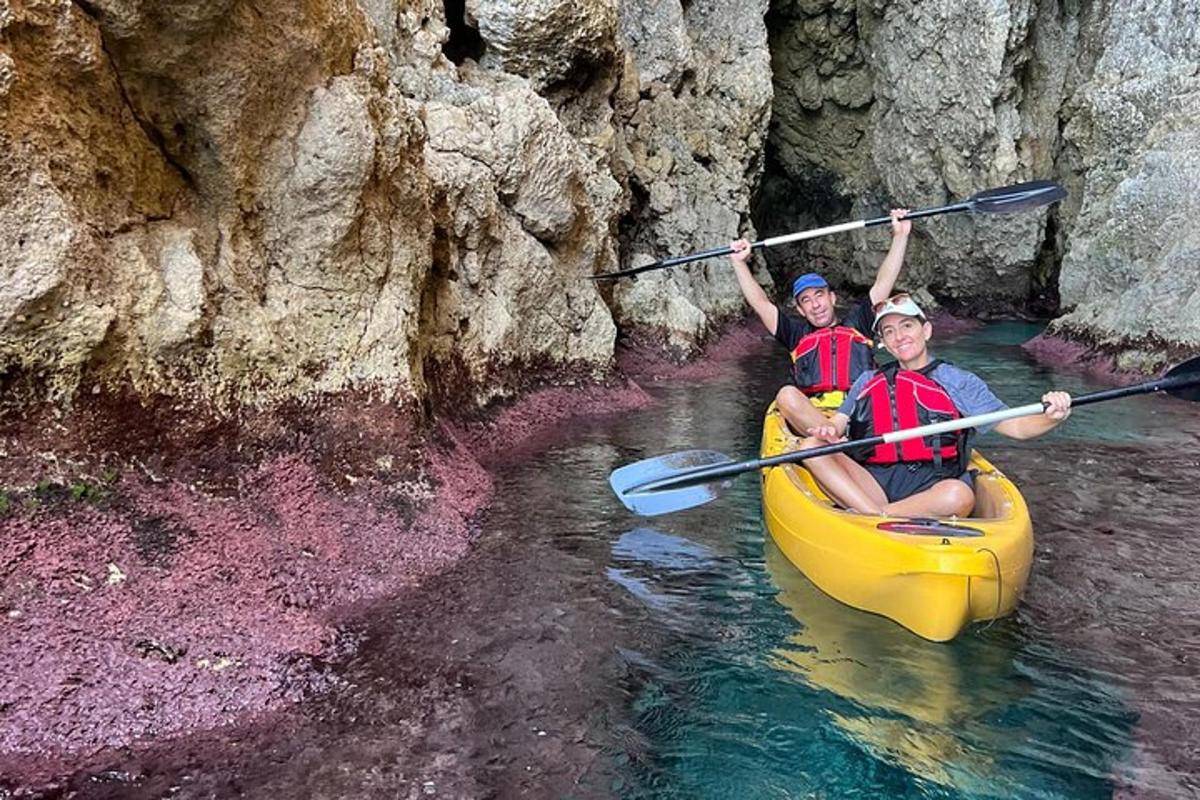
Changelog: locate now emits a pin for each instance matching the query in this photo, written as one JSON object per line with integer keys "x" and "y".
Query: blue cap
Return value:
{"x": 810, "y": 280}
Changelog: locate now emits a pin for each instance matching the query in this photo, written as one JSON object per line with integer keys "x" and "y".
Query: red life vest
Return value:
{"x": 896, "y": 398}
{"x": 829, "y": 359}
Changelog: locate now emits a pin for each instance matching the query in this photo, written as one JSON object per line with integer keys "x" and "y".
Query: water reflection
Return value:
{"x": 909, "y": 697}
{"x": 788, "y": 691}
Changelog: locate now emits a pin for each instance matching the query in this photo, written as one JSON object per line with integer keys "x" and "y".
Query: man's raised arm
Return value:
{"x": 766, "y": 310}
{"x": 889, "y": 270}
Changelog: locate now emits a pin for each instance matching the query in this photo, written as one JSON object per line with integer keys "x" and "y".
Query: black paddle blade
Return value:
{"x": 624, "y": 273}
{"x": 1188, "y": 389}
{"x": 626, "y": 480}
{"x": 1018, "y": 197}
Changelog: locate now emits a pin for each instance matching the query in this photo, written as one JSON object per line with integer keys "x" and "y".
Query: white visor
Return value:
{"x": 904, "y": 306}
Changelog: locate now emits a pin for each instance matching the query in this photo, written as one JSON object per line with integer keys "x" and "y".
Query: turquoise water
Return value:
{"x": 774, "y": 690}
{"x": 760, "y": 686}
{"x": 579, "y": 651}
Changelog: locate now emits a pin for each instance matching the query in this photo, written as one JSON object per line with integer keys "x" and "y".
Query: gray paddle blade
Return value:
{"x": 1018, "y": 197}
{"x": 626, "y": 479}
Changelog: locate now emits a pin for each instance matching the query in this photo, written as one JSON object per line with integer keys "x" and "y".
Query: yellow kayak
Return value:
{"x": 931, "y": 576}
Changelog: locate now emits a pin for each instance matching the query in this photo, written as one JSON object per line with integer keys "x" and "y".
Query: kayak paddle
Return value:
{"x": 691, "y": 478}
{"x": 994, "y": 201}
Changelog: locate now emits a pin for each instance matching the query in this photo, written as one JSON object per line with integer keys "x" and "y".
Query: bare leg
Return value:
{"x": 845, "y": 480}
{"x": 948, "y": 498}
{"x": 798, "y": 410}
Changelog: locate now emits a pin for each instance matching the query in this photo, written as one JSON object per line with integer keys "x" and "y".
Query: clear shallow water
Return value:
{"x": 743, "y": 680}
{"x": 579, "y": 651}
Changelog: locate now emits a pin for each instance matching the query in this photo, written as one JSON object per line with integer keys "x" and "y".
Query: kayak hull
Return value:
{"x": 932, "y": 577}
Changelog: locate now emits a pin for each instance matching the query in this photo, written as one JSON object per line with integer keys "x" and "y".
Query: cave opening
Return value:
{"x": 464, "y": 42}
{"x": 817, "y": 147}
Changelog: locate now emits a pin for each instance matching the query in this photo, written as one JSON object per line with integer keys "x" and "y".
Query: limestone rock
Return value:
{"x": 1132, "y": 143}
{"x": 254, "y": 204}
{"x": 524, "y": 215}
{"x": 180, "y": 307}
{"x": 695, "y": 135}
{"x": 76, "y": 172}
{"x": 915, "y": 104}
{"x": 546, "y": 40}
{"x": 881, "y": 104}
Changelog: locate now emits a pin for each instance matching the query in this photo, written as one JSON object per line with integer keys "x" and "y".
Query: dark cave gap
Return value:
{"x": 465, "y": 42}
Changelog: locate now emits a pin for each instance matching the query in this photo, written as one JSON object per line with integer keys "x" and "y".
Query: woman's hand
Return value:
{"x": 1058, "y": 405}
{"x": 826, "y": 433}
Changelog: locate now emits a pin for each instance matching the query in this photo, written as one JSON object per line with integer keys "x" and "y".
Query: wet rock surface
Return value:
{"x": 196, "y": 575}
{"x": 469, "y": 687}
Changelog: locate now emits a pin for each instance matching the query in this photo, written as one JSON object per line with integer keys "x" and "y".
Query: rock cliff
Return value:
{"x": 246, "y": 202}
{"x": 924, "y": 103}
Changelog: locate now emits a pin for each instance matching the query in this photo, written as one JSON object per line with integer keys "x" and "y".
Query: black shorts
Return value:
{"x": 904, "y": 480}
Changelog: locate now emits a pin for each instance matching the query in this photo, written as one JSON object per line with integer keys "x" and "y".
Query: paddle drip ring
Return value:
{"x": 999, "y": 585}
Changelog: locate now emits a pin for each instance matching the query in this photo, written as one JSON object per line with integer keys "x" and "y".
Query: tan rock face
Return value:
{"x": 250, "y": 203}
{"x": 523, "y": 215}
{"x": 80, "y": 181}
{"x": 546, "y": 41}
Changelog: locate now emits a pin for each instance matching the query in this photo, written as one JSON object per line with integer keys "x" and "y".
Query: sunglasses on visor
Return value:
{"x": 893, "y": 300}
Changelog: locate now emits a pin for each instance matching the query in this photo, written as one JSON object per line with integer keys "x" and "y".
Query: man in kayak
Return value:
{"x": 920, "y": 477}
{"x": 827, "y": 353}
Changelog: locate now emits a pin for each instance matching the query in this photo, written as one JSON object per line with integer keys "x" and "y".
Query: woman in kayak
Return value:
{"x": 925, "y": 477}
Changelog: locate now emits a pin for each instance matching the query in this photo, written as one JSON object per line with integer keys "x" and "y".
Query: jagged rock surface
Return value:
{"x": 882, "y": 104}
{"x": 916, "y": 104}
{"x": 699, "y": 94}
{"x": 252, "y": 204}
{"x": 1131, "y": 271}
{"x": 245, "y": 203}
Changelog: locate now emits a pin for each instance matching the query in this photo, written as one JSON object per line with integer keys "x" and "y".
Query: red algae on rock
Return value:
{"x": 207, "y": 584}
{"x": 645, "y": 359}
{"x": 1059, "y": 351}
{"x": 107, "y": 642}
{"x": 946, "y": 324}
{"x": 526, "y": 425}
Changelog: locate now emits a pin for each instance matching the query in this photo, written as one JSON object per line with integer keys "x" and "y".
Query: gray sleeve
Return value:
{"x": 848, "y": 404}
{"x": 969, "y": 393}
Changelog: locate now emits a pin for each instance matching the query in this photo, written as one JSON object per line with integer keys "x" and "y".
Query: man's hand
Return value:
{"x": 1058, "y": 405}
{"x": 741, "y": 251}
{"x": 900, "y": 227}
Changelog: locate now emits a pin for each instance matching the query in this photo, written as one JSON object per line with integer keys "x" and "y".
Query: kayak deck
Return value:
{"x": 931, "y": 576}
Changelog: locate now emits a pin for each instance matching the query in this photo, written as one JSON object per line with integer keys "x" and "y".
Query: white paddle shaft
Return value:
{"x": 796, "y": 237}
{"x": 977, "y": 421}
